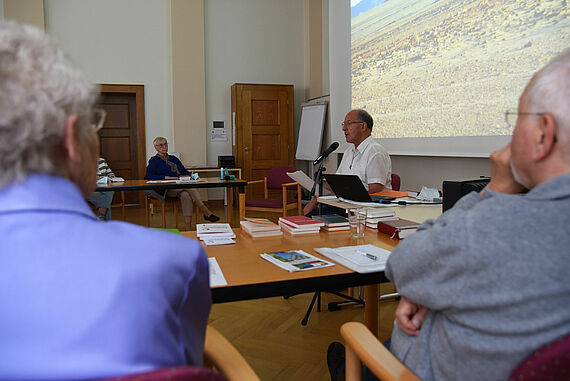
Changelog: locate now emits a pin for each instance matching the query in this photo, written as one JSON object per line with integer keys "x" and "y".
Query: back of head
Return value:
{"x": 365, "y": 117}
{"x": 549, "y": 92}
{"x": 39, "y": 90}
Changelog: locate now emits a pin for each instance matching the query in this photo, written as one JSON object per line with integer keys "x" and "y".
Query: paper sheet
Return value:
{"x": 305, "y": 181}
{"x": 216, "y": 276}
{"x": 352, "y": 257}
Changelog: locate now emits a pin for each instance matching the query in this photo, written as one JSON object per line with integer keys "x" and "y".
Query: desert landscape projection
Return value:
{"x": 428, "y": 68}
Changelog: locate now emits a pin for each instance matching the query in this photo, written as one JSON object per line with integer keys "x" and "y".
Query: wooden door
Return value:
{"x": 122, "y": 138}
{"x": 264, "y": 130}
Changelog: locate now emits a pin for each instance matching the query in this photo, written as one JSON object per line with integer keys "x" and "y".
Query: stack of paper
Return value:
{"x": 360, "y": 258}
{"x": 374, "y": 215}
{"x": 300, "y": 225}
{"x": 215, "y": 234}
{"x": 260, "y": 227}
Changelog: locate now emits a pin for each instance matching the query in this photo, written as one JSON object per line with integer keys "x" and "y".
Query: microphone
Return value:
{"x": 325, "y": 154}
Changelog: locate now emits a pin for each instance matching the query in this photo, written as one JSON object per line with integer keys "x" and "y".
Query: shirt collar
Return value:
{"x": 362, "y": 146}
{"x": 40, "y": 192}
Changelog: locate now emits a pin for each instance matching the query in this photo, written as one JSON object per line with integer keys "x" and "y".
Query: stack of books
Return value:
{"x": 215, "y": 234}
{"x": 260, "y": 227}
{"x": 400, "y": 228}
{"x": 375, "y": 215}
{"x": 300, "y": 225}
{"x": 333, "y": 222}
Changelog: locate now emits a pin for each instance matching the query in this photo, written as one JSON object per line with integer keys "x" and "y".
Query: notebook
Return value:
{"x": 351, "y": 188}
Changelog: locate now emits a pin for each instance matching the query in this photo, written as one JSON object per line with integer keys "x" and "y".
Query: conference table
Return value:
{"x": 249, "y": 276}
{"x": 141, "y": 185}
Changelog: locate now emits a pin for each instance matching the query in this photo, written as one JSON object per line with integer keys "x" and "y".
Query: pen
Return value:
{"x": 373, "y": 257}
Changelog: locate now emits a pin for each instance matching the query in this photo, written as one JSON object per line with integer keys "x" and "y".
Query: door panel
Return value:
{"x": 264, "y": 130}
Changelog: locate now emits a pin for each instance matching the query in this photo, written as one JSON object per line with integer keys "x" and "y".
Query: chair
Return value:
{"x": 222, "y": 362}
{"x": 172, "y": 202}
{"x": 549, "y": 362}
{"x": 276, "y": 179}
{"x": 395, "y": 180}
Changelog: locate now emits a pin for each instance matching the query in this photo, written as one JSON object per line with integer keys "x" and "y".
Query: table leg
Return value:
{"x": 230, "y": 198}
{"x": 371, "y": 308}
{"x": 241, "y": 205}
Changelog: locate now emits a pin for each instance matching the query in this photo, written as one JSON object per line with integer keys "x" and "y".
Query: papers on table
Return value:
{"x": 360, "y": 258}
{"x": 215, "y": 234}
{"x": 160, "y": 181}
{"x": 216, "y": 275}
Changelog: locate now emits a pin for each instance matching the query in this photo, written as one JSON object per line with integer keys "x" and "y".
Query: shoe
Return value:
{"x": 212, "y": 218}
{"x": 336, "y": 361}
{"x": 101, "y": 217}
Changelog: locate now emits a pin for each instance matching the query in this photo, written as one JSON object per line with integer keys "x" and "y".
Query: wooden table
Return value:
{"x": 251, "y": 277}
{"x": 138, "y": 185}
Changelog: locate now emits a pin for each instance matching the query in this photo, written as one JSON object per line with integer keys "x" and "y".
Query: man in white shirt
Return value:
{"x": 366, "y": 158}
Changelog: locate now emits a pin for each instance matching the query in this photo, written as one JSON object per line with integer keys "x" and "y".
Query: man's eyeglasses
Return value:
{"x": 348, "y": 123}
{"x": 98, "y": 119}
{"x": 161, "y": 145}
{"x": 512, "y": 115}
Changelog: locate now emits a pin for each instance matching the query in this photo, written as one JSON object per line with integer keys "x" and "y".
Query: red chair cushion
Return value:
{"x": 274, "y": 203}
{"x": 551, "y": 362}
{"x": 182, "y": 373}
{"x": 278, "y": 175}
{"x": 395, "y": 179}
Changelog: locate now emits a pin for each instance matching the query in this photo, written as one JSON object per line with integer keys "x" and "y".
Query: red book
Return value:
{"x": 399, "y": 228}
{"x": 301, "y": 222}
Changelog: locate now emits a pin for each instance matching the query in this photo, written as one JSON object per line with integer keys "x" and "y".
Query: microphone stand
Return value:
{"x": 319, "y": 180}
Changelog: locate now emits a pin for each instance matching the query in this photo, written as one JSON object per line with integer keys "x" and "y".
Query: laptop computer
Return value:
{"x": 351, "y": 188}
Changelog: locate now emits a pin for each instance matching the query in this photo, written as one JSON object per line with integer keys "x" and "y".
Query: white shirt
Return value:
{"x": 370, "y": 162}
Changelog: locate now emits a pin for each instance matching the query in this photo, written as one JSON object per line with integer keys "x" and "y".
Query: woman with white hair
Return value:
{"x": 163, "y": 166}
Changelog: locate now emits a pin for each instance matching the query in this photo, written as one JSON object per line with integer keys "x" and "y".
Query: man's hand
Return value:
{"x": 410, "y": 316}
{"x": 502, "y": 179}
{"x": 310, "y": 206}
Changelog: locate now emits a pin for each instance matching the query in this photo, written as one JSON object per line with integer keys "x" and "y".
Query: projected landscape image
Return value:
{"x": 429, "y": 68}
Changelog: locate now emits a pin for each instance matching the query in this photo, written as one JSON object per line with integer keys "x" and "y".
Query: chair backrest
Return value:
{"x": 395, "y": 182}
{"x": 278, "y": 175}
{"x": 551, "y": 362}
{"x": 182, "y": 373}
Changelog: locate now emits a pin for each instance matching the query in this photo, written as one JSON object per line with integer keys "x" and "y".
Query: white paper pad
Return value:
{"x": 353, "y": 258}
{"x": 216, "y": 276}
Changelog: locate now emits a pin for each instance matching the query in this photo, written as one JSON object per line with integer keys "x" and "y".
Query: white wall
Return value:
{"x": 255, "y": 41}
{"x": 121, "y": 42}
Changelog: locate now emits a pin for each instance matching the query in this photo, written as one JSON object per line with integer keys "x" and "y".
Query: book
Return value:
{"x": 331, "y": 220}
{"x": 295, "y": 260}
{"x": 335, "y": 228}
{"x": 301, "y": 222}
{"x": 379, "y": 212}
{"x": 267, "y": 233}
{"x": 258, "y": 225}
{"x": 399, "y": 229}
{"x": 295, "y": 231}
{"x": 219, "y": 231}
{"x": 391, "y": 193}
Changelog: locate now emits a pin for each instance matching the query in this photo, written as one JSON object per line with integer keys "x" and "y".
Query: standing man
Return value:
{"x": 366, "y": 158}
{"x": 486, "y": 284}
{"x": 80, "y": 299}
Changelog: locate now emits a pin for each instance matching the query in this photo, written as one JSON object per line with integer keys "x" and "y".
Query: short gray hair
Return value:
{"x": 549, "y": 91}
{"x": 39, "y": 89}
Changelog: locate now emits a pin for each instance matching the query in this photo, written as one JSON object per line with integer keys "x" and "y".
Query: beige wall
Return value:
{"x": 188, "y": 80}
{"x": 25, "y": 11}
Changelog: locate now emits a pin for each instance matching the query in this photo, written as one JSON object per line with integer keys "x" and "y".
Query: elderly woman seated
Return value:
{"x": 163, "y": 166}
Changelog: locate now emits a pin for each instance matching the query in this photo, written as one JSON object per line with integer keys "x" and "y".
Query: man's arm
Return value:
{"x": 375, "y": 187}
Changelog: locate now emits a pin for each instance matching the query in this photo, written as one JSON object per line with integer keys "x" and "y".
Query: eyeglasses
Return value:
{"x": 512, "y": 115}
{"x": 98, "y": 119}
{"x": 347, "y": 124}
{"x": 161, "y": 145}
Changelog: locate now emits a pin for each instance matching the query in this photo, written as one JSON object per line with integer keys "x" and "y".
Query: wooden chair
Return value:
{"x": 277, "y": 179}
{"x": 222, "y": 362}
{"x": 362, "y": 347}
{"x": 395, "y": 180}
{"x": 171, "y": 202}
